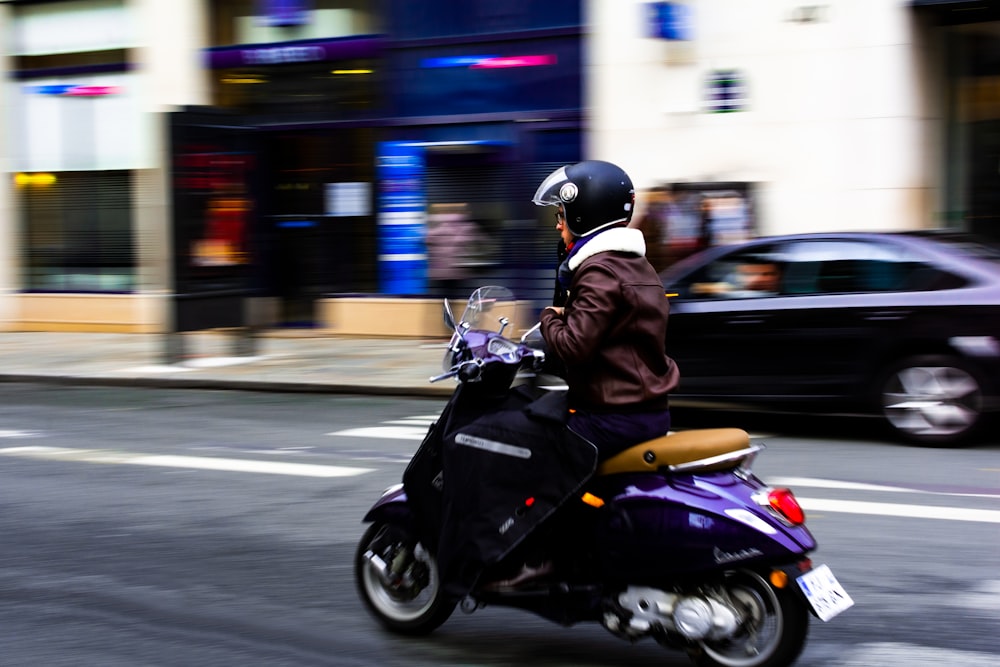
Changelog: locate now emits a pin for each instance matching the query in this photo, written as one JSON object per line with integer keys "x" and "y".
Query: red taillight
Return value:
{"x": 783, "y": 501}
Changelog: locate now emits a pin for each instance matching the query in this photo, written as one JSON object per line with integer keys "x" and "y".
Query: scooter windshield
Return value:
{"x": 488, "y": 306}
{"x": 491, "y": 308}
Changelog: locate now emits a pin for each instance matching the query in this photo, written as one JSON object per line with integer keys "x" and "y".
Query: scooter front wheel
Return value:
{"x": 775, "y": 622}
{"x": 398, "y": 581}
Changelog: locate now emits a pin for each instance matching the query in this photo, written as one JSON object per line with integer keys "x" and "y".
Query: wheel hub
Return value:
{"x": 932, "y": 400}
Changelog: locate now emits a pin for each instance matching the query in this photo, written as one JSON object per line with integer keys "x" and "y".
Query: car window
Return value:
{"x": 843, "y": 266}
{"x": 747, "y": 273}
{"x": 813, "y": 267}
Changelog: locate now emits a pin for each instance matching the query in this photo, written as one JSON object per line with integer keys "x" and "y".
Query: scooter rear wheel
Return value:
{"x": 774, "y": 630}
{"x": 398, "y": 581}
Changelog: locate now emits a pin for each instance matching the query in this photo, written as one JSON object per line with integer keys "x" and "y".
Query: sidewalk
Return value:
{"x": 283, "y": 361}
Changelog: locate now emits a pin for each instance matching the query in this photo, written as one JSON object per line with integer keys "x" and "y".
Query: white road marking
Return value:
{"x": 855, "y": 486}
{"x": 896, "y": 509}
{"x": 415, "y": 428}
{"x": 387, "y": 432}
{"x": 911, "y": 655}
{"x": 191, "y": 462}
{"x": 411, "y": 421}
{"x": 832, "y": 484}
{"x": 108, "y": 456}
{"x": 407, "y": 428}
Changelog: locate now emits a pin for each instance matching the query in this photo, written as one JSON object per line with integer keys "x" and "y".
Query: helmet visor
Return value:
{"x": 547, "y": 193}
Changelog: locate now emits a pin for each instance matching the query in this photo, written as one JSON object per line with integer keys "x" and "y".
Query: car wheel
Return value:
{"x": 933, "y": 400}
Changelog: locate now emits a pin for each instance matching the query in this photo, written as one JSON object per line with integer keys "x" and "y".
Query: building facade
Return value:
{"x": 288, "y": 152}
{"x": 830, "y": 115}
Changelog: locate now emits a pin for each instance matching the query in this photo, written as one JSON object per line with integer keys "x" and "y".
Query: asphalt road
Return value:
{"x": 178, "y": 527}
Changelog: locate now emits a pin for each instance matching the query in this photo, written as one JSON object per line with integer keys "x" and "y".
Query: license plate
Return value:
{"x": 824, "y": 593}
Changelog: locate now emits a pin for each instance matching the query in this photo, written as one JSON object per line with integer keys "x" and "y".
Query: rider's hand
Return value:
{"x": 559, "y": 310}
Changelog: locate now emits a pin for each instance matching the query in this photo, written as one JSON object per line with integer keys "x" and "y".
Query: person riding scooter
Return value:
{"x": 611, "y": 333}
{"x": 610, "y": 336}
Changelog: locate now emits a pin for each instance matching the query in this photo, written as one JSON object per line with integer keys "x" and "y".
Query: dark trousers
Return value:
{"x": 614, "y": 432}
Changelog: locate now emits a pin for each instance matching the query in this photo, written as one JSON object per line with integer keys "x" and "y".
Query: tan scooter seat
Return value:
{"x": 702, "y": 449}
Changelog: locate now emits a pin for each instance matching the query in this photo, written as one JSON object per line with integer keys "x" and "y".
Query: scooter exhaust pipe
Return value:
{"x": 693, "y": 617}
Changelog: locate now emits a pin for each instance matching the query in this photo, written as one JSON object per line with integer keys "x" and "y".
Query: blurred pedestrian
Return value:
{"x": 655, "y": 225}
{"x": 706, "y": 233}
{"x": 451, "y": 239}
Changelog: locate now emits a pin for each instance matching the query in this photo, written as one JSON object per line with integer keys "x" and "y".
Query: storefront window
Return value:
{"x": 266, "y": 21}
{"x": 77, "y": 231}
{"x": 445, "y": 18}
{"x": 972, "y": 176}
{"x": 343, "y": 90}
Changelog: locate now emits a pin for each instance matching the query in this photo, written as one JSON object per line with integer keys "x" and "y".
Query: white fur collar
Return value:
{"x": 620, "y": 239}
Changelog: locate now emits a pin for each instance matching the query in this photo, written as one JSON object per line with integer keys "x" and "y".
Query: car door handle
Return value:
{"x": 886, "y": 315}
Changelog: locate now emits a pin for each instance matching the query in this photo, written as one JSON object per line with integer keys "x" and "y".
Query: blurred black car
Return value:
{"x": 906, "y": 325}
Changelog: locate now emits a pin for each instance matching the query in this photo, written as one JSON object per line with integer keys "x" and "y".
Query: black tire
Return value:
{"x": 774, "y": 633}
{"x": 932, "y": 400}
{"x": 407, "y": 598}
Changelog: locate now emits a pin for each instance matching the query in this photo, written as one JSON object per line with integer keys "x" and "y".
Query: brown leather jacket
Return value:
{"x": 612, "y": 334}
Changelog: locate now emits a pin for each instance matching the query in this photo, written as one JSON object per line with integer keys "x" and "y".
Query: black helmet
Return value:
{"x": 595, "y": 195}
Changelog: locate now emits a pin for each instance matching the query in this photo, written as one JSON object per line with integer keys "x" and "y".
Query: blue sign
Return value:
{"x": 669, "y": 20}
{"x": 400, "y": 169}
{"x": 283, "y": 13}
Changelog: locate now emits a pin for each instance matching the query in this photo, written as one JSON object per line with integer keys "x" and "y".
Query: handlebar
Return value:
{"x": 467, "y": 371}
{"x": 475, "y": 350}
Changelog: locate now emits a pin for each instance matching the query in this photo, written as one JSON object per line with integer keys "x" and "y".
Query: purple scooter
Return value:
{"x": 674, "y": 539}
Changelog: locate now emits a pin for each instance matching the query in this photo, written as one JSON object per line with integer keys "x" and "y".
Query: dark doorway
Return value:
{"x": 318, "y": 216}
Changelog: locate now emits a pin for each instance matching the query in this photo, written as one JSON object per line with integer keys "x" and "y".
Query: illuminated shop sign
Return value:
{"x": 489, "y": 62}
{"x": 283, "y": 54}
{"x": 295, "y": 52}
{"x": 73, "y": 90}
{"x": 24, "y": 180}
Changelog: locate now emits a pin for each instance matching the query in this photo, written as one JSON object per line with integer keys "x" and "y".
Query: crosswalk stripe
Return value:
{"x": 413, "y": 421}
{"x": 388, "y": 432}
{"x": 192, "y": 462}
